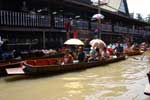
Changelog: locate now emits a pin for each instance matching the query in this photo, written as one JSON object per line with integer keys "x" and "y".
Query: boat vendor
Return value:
{"x": 68, "y": 59}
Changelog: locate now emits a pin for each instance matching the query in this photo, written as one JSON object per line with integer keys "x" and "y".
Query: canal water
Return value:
{"x": 124, "y": 80}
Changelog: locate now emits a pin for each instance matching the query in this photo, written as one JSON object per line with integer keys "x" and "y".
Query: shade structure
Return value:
{"x": 97, "y": 43}
{"x": 98, "y": 16}
{"x": 74, "y": 42}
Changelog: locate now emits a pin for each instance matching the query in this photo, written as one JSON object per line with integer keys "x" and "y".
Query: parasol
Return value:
{"x": 97, "y": 43}
{"x": 74, "y": 42}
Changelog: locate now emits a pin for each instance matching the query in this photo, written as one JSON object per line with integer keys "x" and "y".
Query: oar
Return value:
{"x": 135, "y": 58}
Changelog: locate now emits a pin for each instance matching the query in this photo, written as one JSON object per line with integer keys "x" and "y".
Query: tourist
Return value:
{"x": 98, "y": 56}
{"x": 81, "y": 55}
{"x": 110, "y": 50}
{"x": 91, "y": 55}
{"x": 143, "y": 46}
{"x": 119, "y": 50}
{"x": 105, "y": 55}
{"x": 68, "y": 59}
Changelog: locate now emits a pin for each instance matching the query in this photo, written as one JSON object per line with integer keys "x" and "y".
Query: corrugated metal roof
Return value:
{"x": 113, "y": 5}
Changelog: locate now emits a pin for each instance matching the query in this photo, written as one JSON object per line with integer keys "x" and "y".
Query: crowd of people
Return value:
{"x": 93, "y": 55}
{"x": 99, "y": 54}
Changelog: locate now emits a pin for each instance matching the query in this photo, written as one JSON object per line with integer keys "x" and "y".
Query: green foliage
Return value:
{"x": 139, "y": 17}
{"x": 147, "y": 19}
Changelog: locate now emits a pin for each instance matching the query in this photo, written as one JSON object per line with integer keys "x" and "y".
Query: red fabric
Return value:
{"x": 41, "y": 62}
{"x": 53, "y": 62}
{"x": 75, "y": 34}
{"x": 67, "y": 25}
{"x": 31, "y": 62}
{"x": 110, "y": 50}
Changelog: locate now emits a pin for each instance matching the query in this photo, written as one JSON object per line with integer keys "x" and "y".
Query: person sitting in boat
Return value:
{"x": 143, "y": 46}
{"x": 98, "y": 56}
{"x": 135, "y": 47}
{"x": 92, "y": 55}
{"x": 81, "y": 54}
{"x": 110, "y": 50}
{"x": 105, "y": 54}
{"x": 119, "y": 50}
{"x": 67, "y": 57}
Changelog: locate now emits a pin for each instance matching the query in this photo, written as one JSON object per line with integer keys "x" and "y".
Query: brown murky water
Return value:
{"x": 124, "y": 80}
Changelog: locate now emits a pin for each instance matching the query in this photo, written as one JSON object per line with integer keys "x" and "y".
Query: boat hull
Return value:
{"x": 147, "y": 87}
{"x": 8, "y": 65}
{"x": 29, "y": 69}
{"x": 14, "y": 63}
{"x": 134, "y": 53}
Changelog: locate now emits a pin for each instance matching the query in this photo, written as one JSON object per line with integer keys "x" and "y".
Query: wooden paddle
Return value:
{"x": 135, "y": 58}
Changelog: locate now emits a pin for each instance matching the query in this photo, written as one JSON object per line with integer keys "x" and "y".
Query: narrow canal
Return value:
{"x": 124, "y": 80}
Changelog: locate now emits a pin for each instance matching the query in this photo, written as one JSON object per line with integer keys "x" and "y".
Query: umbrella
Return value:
{"x": 97, "y": 43}
{"x": 74, "y": 42}
{"x": 98, "y": 16}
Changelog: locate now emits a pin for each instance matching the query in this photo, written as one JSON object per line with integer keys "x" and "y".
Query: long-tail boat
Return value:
{"x": 12, "y": 63}
{"x": 134, "y": 53}
{"x": 40, "y": 66}
{"x": 147, "y": 87}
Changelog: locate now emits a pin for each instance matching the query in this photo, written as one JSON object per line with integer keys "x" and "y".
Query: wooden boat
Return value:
{"x": 12, "y": 64}
{"x": 134, "y": 53}
{"x": 147, "y": 87}
{"x": 51, "y": 66}
{"x": 16, "y": 62}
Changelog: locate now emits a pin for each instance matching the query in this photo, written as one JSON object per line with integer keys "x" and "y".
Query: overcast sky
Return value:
{"x": 139, "y": 6}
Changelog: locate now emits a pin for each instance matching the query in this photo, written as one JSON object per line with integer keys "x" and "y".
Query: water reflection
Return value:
{"x": 119, "y": 81}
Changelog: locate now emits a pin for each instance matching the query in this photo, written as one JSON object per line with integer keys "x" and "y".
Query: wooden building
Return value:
{"x": 38, "y": 24}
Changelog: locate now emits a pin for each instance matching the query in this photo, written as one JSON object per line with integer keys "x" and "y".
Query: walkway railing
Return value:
{"x": 104, "y": 27}
{"x": 12, "y": 18}
{"x": 22, "y": 19}
{"x": 80, "y": 24}
{"x": 120, "y": 29}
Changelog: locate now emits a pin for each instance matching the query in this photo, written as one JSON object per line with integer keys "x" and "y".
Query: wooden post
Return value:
{"x": 133, "y": 31}
{"x": 99, "y": 20}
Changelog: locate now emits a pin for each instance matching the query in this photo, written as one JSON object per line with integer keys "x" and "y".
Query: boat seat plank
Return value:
{"x": 15, "y": 70}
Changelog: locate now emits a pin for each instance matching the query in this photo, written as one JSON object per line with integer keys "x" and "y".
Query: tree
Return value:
{"x": 147, "y": 19}
{"x": 139, "y": 17}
